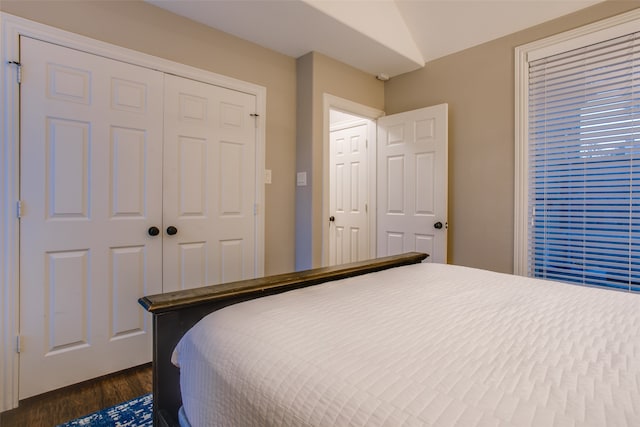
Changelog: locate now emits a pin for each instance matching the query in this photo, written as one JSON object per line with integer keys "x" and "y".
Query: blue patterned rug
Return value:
{"x": 133, "y": 413}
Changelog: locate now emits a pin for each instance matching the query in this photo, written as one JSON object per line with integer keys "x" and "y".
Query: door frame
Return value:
{"x": 11, "y": 28}
{"x": 332, "y": 102}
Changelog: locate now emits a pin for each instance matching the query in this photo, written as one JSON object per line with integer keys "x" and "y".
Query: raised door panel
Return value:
{"x": 127, "y": 271}
{"x": 127, "y": 171}
{"x": 67, "y": 286}
{"x": 192, "y": 172}
{"x": 425, "y": 183}
{"x": 192, "y": 264}
{"x": 67, "y": 168}
{"x": 232, "y": 179}
{"x": 394, "y": 185}
{"x": 395, "y": 242}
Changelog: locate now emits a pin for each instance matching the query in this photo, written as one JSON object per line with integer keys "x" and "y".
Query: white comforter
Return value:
{"x": 422, "y": 345}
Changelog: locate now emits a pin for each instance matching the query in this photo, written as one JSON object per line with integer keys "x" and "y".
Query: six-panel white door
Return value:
{"x": 91, "y": 186}
{"x": 349, "y": 219}
{"x": 209, "y": 184}
{"x": 412, "y": 183}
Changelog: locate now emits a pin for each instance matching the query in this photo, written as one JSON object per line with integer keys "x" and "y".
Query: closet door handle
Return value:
{"x": 171, "y": 230}
{"x": 153, "y": 231}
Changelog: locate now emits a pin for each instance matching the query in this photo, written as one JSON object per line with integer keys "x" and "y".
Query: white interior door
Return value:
{"x": 91, "y": 186}
{"x": 412, "y": 183}
{"x": 209, "y": 184}
{"x": 349, "y": 219}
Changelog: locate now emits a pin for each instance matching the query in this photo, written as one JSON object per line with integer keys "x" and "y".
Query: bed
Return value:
{"x": 397, "y": 342}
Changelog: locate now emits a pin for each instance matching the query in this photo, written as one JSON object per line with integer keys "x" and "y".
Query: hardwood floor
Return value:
{"x": 59, "y": 406}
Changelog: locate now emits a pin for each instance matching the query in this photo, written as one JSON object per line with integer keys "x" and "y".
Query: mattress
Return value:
{"x": 421, "y": 345}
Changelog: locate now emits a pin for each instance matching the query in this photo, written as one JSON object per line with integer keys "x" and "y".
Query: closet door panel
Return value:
{"x": 209, "y": 184}
{"x": 91, "y": 186}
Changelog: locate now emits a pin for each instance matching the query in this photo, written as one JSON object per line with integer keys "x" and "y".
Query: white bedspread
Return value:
{"x": 422, "y": 345}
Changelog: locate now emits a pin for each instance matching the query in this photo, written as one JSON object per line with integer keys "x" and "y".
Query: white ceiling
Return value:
{"x": 376, "y": 36}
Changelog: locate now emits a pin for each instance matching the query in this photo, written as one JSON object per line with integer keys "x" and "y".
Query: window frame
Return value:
{"x": 589, "y": 34}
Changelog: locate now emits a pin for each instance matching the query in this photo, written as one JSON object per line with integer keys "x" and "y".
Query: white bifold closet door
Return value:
{"x": 110, "y": 150}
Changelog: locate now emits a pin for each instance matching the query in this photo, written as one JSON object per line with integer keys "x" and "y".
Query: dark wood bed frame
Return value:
{"x": 174, "y": 313}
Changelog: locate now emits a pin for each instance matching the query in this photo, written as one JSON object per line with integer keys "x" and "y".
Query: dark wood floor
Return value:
{"x": 59, "y": 406}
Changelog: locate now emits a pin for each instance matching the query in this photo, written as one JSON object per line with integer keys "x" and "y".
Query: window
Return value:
{"x": 580, "y": 161}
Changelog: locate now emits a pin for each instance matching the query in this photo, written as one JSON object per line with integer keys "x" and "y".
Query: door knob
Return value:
{"x": 332, "y": 218}
{"x": 153, "y": 231}
{"x": 437, "y": 225}
{"x": 171, "y": 230}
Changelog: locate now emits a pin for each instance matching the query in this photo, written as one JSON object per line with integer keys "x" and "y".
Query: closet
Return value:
{"x": 132, "y": 182}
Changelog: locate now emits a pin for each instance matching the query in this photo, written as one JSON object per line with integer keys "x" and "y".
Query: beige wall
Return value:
{"x": 317, "y": 75}
{"x": 145, "y": 28}
{"x": 478, "y": 85}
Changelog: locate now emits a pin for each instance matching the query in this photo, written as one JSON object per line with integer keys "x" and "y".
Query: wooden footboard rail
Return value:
{"x": 174, "y": 313}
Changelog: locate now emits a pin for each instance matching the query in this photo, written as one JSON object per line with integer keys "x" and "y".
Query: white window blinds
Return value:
{"x": 584, "y": 165}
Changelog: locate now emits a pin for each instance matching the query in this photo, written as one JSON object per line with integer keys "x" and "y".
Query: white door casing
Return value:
{"x": 91, "y": 173}
{"x": 209, "y": 184}
{"x": 412, "y": 183}
{"x": 348, "y": 205}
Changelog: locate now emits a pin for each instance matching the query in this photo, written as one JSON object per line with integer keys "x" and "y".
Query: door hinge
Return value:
{"x": 19, "y": 209}
{"x": 18, "y": 344}
{"x": 19, "y": 70}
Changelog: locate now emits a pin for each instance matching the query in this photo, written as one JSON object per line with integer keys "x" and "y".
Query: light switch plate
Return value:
{"x": 301, "y": 179}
